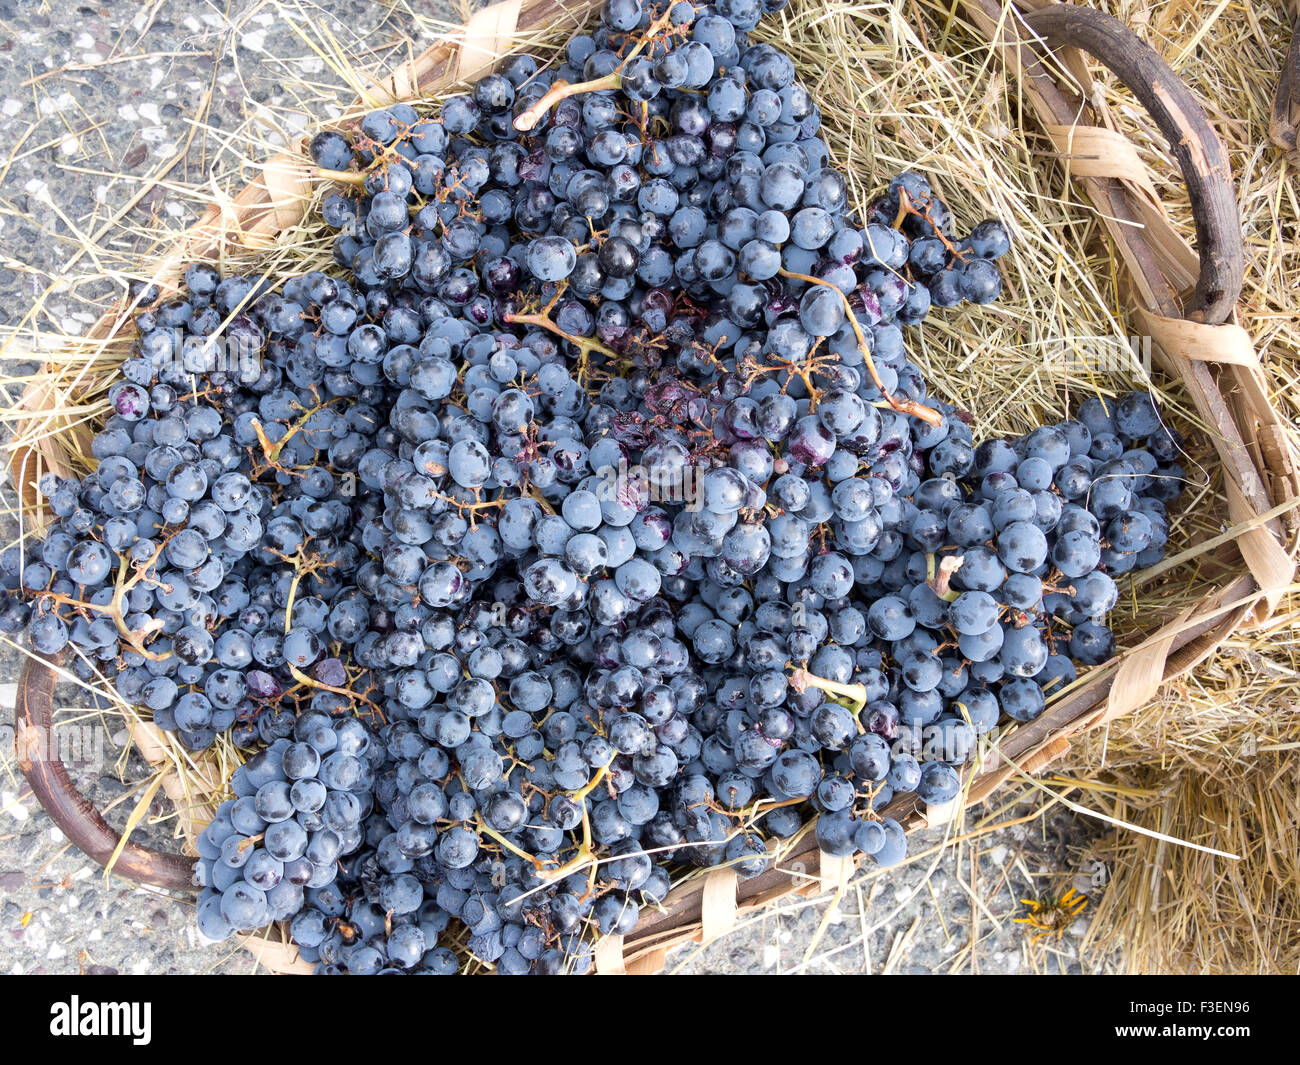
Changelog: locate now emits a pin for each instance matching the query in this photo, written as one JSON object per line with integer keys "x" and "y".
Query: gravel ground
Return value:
{"x": 93, "y": 102}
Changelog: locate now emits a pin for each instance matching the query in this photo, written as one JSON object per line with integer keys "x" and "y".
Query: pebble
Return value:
{"x": 10, "y": 805}
{"x": 50, "y": 105}
{"x": 35, "y": 937}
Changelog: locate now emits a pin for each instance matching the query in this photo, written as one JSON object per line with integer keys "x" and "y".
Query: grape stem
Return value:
{"x": 804, "y": 368}
{"x": 471, "y": 508}
{"x": 249, "y": 841}
{"x": 535, "y": 495}
{"x": 272, "y": 450}
{"x": 768, "y": 805}
{"x": 345, "y": 177}
{"x": 905, "y": 208}
{"x": 938, "y": 577}
{"x": 304, "y": 565}
{"x": 856, "y": 694}
{"x": 868, "y": 796}
{"x": 585, "y": 345}
{"x": 581, "y": 794}
{"x": 496, "y": 836}
{"x": 585, "y": 856}
{"x": 310, "y": 682}
{"x": 903, "y": 406}
{"x": 562, "y": 90}
{"x": 115, "y": 607}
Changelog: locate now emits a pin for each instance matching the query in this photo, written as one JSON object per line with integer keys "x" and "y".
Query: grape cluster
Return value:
{"x": 298, "y": 807}
{"x": 588, "y": 522}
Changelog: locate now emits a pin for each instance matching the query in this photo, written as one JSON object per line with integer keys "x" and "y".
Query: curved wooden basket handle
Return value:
{"x": 84, "y": 826}
{"x": 1196, "y": 147}
{"x": 1284, "y": 126}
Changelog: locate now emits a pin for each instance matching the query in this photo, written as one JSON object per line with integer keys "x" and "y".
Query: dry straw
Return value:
{"x": 1103, "y": 227}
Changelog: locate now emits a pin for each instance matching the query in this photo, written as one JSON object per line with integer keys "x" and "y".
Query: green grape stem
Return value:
{"x": 855, "y": 694}
{"x": 562, "y": 90}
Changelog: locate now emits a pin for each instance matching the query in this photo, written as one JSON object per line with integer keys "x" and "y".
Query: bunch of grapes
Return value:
{"x": 587, "y": 523}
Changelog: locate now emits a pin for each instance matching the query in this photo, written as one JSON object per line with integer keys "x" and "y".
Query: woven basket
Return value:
{"x": 1183, "y": 300}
